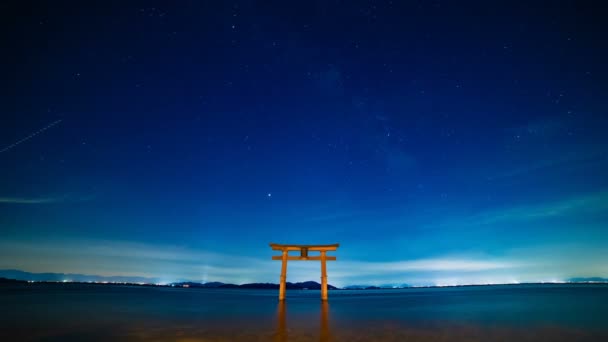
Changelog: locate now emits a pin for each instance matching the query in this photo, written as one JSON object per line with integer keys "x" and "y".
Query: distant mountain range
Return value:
{"x": 307, "y": 285}
{"x": 11, "y": 281}
{"x": 311, "y": 285}
{"x": 12, "y": 275}
{"x": 22, "y": 275}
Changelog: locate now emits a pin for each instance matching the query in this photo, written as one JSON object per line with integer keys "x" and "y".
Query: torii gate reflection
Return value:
{"x": 304, "y": 249}
{"x": 282, "y": 336}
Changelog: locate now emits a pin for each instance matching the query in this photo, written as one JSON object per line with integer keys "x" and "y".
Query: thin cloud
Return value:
{"x": 587, "y": 204}
{"x": 583, "y": 204}
{"x": 39, "y": 200}
{"x": 48, "y": 200}
{"x": 444, "y": 264}
{"x": 574, "y": 159}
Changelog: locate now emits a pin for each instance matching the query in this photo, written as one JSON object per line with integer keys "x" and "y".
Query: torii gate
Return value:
{"x": 304, "y": 249}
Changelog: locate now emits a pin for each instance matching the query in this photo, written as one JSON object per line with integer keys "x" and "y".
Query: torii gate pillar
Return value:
{"x": 304, "y": 249}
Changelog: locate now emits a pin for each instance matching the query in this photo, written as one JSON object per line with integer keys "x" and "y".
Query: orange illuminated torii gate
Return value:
{"x": 304, "y": 249}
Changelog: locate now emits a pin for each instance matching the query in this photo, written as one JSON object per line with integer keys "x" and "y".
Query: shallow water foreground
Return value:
{"x": 73, "y": 312}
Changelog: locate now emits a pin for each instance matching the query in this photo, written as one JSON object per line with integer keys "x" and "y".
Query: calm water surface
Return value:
{"x": 72, "y": 312}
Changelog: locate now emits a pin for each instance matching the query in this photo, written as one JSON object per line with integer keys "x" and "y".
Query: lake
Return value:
{"x": 76, "y": 312}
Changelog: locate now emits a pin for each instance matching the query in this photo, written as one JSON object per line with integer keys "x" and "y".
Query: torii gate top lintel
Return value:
{"x": 281, "y": 247}
{"x": 304, "y": 249}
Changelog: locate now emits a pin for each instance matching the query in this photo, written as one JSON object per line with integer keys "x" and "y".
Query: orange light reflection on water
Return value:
{"x": 282, "y": 334}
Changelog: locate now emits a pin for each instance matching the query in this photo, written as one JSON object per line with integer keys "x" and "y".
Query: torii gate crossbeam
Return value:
{"x": 304, "y": 249}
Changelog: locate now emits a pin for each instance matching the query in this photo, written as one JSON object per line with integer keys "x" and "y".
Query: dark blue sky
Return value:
{"x": 439, "y": 143}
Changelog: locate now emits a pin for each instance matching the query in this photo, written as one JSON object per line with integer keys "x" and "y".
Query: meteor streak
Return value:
{"x": 30, "y": 136}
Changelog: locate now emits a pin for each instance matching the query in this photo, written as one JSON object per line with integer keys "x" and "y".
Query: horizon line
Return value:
{"x": 153, "y": 281}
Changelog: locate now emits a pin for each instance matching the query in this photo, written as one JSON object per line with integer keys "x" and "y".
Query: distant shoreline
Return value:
{"x": 291, "y": 286}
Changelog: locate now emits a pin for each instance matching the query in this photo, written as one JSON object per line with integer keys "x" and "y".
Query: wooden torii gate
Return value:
{"x": 304, "y": 249}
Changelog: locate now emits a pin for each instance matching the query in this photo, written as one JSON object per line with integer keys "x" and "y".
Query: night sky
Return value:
{"x": 437, "y": 142}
